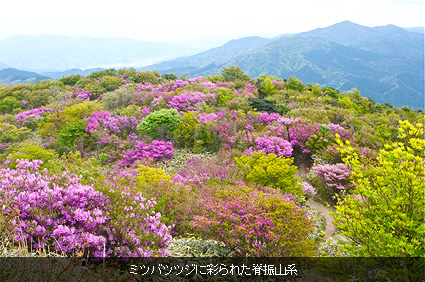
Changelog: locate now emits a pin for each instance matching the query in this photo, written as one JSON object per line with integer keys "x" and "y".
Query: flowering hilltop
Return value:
{"x": 130, "y": 163}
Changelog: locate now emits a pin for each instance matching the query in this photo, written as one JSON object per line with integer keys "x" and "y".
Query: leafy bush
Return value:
{"x": 262, "y": 105}
{"x": 266, "y": 86}
{"x": 11, "y": 134}
{"x": 130, "y": 111}
{"x": 185, "y": 131}
{"x": 69, "y": 134}
{"x": 206, "y": 138}
{"x": 256, "y": 223}
{"x": 71, "y": 79}
{"x": 120, "y": 98}
{"x": 9, "y": 104}
{"x": 160, "y": 123}
{"x": 270, "y": 170}
{"x": 31, "y": 152}
{"x": 385, "y": 217}
{"x": 149, "y": 176}
{"x": 176, "y": 202}
{"x": 73, "y": 162}
{"x": 58, "y": 212}
{"x": 233, "y": 73}
{"x": 223, "y": 96}
{"x": 295, "y": 84}
{"x": 111, "y": 83}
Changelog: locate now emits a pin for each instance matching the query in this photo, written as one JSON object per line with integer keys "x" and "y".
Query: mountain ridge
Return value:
{"x": 15, "y": 76}
{"x": 384, "y": 63}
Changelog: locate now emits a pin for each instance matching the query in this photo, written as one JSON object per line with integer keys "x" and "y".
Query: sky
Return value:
{"x": 183, "y": 20}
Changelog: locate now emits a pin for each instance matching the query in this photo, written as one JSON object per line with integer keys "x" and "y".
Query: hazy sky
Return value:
{"x": 170, "y": 20}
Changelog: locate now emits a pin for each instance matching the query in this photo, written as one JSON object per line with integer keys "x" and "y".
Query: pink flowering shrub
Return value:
{"x": 186, "y": 101}
{"x": 32, "y": 116}
{"x": 273, "y": 145}
{"x": 295, "y": 131}
{"x": 256, "y": 223}
{"x": 157, "y": 150}
{"x": 206, "y": 118}
{"x": 338, "y": 129}
{"x": 198, "y": 172}
{"x": 266, "y": 117}
{"x": 308, "y": 190}
{"x": 333, "y": 179}
{"x": 60, "y": 213}
{"x": 36, "y": 112}
{"x": 179, "y": 84}
{"x": 119, "y": 125}
{"x": 83, "y": 94}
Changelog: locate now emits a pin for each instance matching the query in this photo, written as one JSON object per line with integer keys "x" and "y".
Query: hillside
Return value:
{"x": 51, "y": 52}
{"x": 15, "y": 76}
{"x": 219, "y": 55}
{"x": 125, "y": 163}
{"x": 384, "y": 63}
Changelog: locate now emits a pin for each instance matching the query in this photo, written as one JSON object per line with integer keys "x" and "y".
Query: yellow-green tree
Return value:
{"x": 386, "y": 216}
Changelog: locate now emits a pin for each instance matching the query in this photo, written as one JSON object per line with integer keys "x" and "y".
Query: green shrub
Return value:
{"x": 102, "y": 73}
{"x": 71, "y": 79}
{"x": 262, "y": 105}
{"x": 87, "y": 169}
{"x": 270, "y": 170}
{"x": 130, "y": 111}
{"x": 147, "y": 77}
{"x": 111, "y": 83}
{"x": 28, "y": 151}
{"x": 175, "y": 201}
{"x": 95, "y": 88}
{"x": 224, "y": 95}
{"x": 295, "y": 84}
{"x": 233, "y": 73}
{"x": 69, "y": 134}
{"x": 160, "y": 123}
{"x": 11, "y": 134}
{"x": 206, "y": 139}
{"x": 9, "y": 105}
{"x": 386, "y": 216}
{"x": 185, "y": 132}
{"x": 120, "y": 98}
{"x": 149, "y": 176}
{"x": 265, "y": 86}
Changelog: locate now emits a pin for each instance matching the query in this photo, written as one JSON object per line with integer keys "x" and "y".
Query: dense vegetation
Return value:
{"x": 127, "y": 163}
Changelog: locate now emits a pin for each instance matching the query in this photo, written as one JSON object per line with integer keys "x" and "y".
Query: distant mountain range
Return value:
{"x": 384, "y": 63}
{"x": 11, "y": 75}
{"x": 58, "y": 53}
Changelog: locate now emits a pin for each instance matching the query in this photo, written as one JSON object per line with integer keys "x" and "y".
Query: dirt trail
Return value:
{"x": 330, "y": 228}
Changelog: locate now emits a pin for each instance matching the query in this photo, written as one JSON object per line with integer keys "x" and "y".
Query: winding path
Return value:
{"x": 330, "y": 228}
